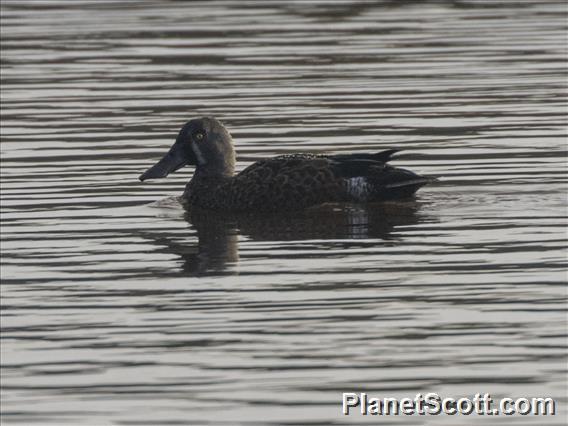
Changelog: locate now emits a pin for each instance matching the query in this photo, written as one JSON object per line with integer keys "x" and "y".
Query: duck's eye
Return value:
{"x": 199, "y": 136}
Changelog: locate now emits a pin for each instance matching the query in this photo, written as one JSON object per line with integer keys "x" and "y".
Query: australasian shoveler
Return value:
{"x": 282, "y": 183}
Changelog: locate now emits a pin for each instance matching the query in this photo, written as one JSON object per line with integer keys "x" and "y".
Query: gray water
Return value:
{"x": 119, "y": 308}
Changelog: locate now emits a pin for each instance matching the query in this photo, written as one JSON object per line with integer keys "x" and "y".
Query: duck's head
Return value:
{"x": 203, "y": 142}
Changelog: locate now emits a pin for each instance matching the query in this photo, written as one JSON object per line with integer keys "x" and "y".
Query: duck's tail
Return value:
{"x": 368, "y": 177}
{"x": 400, "y": 183}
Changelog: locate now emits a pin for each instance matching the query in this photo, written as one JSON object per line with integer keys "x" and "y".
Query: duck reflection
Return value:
{"x": 216, "y": 250}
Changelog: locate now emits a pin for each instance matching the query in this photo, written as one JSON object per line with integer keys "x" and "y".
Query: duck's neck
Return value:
{"x": 203, "y": 188}
{"x": 223, "y": 169}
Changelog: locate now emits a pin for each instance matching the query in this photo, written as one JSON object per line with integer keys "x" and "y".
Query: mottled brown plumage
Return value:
{"x": 288, "y": 182}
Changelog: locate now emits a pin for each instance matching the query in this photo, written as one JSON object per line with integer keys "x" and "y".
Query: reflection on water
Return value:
{"x": 119, "y": 307}
{"x": 218, "y": 234}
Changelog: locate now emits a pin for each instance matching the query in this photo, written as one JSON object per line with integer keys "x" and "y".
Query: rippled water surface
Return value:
{"x": 120, "y": 308}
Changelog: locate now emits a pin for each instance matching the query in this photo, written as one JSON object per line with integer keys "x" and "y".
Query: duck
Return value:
{"x": 283, "y": 183}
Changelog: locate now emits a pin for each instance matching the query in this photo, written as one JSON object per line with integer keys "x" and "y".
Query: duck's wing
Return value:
{"x": 302, "y": 180}
{"x": 286, "y": 182}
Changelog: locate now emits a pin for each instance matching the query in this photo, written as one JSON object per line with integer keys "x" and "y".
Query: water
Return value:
{"x": 119, "y": 308}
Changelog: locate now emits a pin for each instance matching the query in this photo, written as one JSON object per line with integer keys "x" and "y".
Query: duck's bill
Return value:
{"x": 172, "y": 161}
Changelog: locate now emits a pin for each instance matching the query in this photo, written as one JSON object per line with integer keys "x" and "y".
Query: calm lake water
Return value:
{"x": 119, "y": 308}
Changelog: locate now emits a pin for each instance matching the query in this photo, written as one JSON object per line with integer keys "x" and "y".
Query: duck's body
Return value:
{"x": 288, "y": 182}
{"x": 299, "y": 181}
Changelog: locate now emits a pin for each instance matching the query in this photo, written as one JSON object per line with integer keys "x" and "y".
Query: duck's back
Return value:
{"x": 298, "y": 181}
